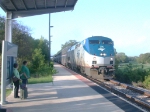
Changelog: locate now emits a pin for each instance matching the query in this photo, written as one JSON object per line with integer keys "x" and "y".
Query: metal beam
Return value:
{"x": 45, "y": 3}
{"x": 33, "y": 12}
{"x": 66, "y": 3}
{"x": 75, "y": 2}
{"x": 55, "y": 3}
{"x": 24, "y": 5}
{"x": 8, "y": 27}
{"x": 13, "y": 5}
{"x": 35, "y": 4}
{"x": 49, "y": 41}
{"x": 3, "y": 7}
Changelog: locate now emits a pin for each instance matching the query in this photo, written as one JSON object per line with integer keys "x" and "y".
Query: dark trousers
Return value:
{"x": 24, "y": 81}
{"x": 16, "y": 88}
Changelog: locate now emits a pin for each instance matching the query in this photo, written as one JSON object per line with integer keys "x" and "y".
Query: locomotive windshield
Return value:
{"x": 107, "y": 42}
{"x": 94, "y": 41}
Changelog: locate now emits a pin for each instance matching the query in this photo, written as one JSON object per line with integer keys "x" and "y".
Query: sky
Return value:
{"x": 126, "y": 22}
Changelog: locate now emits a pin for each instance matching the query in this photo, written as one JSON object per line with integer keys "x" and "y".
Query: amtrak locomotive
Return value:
{"x": 94, "y": 56}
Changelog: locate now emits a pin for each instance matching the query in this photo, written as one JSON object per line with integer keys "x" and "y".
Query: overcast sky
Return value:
{"x": 126, "y": 22}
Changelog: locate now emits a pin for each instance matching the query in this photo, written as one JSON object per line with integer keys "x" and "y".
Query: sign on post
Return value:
{"x": 8, "y": 49}
{"x": 12, "y": 49}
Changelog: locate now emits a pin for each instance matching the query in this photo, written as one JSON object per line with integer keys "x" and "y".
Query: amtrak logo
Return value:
{"x": 101, "y": 48}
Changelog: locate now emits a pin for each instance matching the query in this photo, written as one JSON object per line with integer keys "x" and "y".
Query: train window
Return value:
{"x": 94, "y": 41}
{"x": 107, "y": 42}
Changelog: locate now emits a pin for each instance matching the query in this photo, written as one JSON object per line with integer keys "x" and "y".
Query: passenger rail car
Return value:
{"x": 94, "y": 56}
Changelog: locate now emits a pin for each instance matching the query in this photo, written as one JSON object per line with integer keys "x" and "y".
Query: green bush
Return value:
{"x": 38, "y": 67}
{"x": 146, "y": 82}
{"x": 43, "y": 71}
{"x": 38, "y": 60}
{"x": 131, "y": 74}
{"x": 45, "y": 79}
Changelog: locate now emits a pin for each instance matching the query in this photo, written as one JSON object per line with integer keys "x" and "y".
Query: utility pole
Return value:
{"x": 49, "y": 42}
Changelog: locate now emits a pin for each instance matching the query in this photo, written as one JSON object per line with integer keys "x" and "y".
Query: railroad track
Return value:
{"x": 136, "y": 95}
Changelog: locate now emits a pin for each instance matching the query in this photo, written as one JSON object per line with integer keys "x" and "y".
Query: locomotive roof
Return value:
{"x": 99, "y": 37}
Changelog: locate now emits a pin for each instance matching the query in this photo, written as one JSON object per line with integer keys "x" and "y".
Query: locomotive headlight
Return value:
{"x": 101, "y": 54}
{"x": 111, "y": 59}
{"x": 104, "y": 54}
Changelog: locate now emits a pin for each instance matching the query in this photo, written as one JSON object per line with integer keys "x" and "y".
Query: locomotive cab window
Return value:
{"x": 107, "y": 42}
{"x": 94, "y": 42}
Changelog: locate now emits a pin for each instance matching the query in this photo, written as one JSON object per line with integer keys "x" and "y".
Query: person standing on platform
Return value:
{"x": 16, "y": 83}
{"x": 25, "y": 73}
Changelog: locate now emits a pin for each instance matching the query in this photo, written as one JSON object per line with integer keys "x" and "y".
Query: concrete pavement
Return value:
{"x": 68, "y": 93}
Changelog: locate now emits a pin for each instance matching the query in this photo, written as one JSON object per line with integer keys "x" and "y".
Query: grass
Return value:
{"x": 137, "y": 65}
{"x": 8, "y": 92}
{"x": 44, "y": 79}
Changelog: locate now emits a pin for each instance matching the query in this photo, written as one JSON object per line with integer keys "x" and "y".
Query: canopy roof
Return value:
{"x": 23, "y": 8}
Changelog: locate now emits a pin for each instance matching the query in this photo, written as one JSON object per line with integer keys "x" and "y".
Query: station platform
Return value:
{"x": 69, "y": 92}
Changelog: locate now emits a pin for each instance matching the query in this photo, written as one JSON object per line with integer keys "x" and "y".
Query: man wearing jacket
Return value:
{"x": 26, "y": 73}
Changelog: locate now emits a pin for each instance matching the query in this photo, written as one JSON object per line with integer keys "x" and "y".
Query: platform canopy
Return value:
{"x": 24, "y": 8}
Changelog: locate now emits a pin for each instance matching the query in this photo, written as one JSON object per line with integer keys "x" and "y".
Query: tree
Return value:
{"x": 38, "y": 59}
{"x": 23, "y": 39}
{"x": 69, "y": 43}
{"x": 132, "y": 59}
{"x": 147, "y": 57}
{"x": 35, "y": 51}
{"x": 144, "y": 58}
{"x": 20, "y": 36}
{"x": 121, "y": 57}
{"x": 44, "y": 45}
